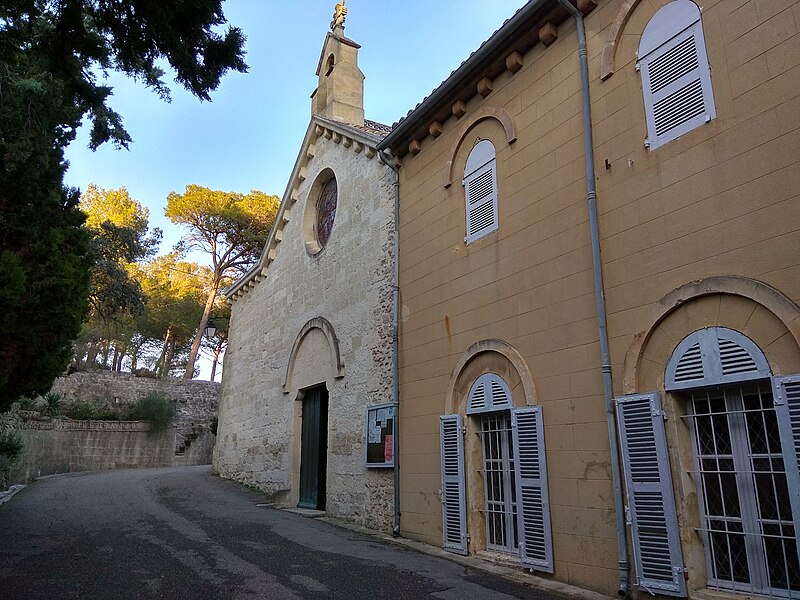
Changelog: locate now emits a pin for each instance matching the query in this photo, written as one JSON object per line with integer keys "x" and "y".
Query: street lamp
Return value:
{"x": 211, "y": 329}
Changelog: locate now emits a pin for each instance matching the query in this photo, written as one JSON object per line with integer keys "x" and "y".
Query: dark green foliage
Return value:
{"x": 26, "y": 403}
{"x": 44, "y": 248}
{"x": 11, "y": 445}
{"x": 53, "y": 405}
{"x": 86, "y": 410}
{"x": 156, "y": 409}
{"x": 51, "y": 54}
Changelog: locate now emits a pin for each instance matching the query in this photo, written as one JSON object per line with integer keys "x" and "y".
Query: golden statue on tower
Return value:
{"x": 339, "y": 15}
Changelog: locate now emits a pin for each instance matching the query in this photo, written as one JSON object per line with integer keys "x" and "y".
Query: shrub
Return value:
{"x": 92, "y": 410}
{"x": 25, "y": 403}
{"x": 10, "y": 447}
{"x": 156, "y": 409}
{"x": 53, "y": 405}
{"x": 81, "y": 410}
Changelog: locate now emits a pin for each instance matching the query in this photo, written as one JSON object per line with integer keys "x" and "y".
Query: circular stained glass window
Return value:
{"x": 326, "y": 212}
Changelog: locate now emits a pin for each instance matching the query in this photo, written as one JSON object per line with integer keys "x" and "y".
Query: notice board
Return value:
{"x": 380, "y": 435}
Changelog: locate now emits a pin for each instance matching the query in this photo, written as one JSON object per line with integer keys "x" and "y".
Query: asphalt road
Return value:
{"x": 181, "y": 533}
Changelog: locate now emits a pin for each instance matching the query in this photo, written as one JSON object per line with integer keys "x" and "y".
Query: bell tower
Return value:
{"x": 340, "y": 91}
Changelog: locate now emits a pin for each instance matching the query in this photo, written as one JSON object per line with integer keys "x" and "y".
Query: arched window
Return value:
{"x": 744, "y": 426}
{"x": 480, "y": 190}
{"x": 516, "y": 507}
{"x": 713, "y": 356}
{"x": 326, "y": 211}
{"x": 676, "y": 76}
{"x": 489, "y": 393}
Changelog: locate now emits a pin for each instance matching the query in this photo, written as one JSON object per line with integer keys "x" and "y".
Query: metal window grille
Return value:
{"x": 746, "y": 519}
{"x": 499, "y": 483}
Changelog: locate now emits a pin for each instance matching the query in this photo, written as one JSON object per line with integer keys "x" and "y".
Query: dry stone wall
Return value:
{"x": 196, "y": 401}
{"x": 349, "y": 283}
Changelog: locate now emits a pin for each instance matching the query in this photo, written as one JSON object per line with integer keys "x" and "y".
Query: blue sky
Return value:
{"x": 248, "y": 136}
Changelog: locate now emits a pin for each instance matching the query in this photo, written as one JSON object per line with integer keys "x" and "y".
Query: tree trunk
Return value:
{"x": 80, "y": 355}
{"x": 217, "y": 350}
{"x": 91, "y": 355}
{"x": 198, "y": 337}
{"x": 115, "y": 359}
{"x": 167, "y": 367}
{"x": 106, "y": 352}
{"x": 123, "y": 351}
{"x": 135, "y": 348}
{"x": 160, "y": 362}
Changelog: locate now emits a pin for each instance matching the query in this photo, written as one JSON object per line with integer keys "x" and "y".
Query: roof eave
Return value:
{"x": 406, "y": 129}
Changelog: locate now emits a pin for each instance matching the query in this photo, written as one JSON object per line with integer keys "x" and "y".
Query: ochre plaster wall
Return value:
{"x": 720, "y": 201}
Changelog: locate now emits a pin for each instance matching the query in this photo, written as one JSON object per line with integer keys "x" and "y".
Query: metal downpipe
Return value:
{"x": 395, "y": 358}
{"x": 600, "y": 301}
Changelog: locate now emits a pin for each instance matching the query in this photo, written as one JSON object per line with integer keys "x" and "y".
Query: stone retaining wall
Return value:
{"x": 196, "y": 400}
{"x": 71, "y": 446}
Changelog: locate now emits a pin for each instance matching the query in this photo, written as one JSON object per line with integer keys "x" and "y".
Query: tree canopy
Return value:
{"x": 53, "y": 58}
{"x": 120, "y": 236}
{"x": 230, "y": 227}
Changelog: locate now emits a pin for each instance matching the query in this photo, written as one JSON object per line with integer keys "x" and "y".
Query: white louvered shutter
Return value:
{"x": 650, "y": 499}
{"x": 676, "y": 77}
{"x": 533, "y": 500}
{"x": 714, "y": 356}
{"x": 787, "y": 407}
{"x": 489, "y": 393}
{"x": 480, "y": 190}
{"x": 454, "y": 505}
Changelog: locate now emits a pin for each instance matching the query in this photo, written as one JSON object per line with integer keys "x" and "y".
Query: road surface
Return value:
{"x": 182, "y": 533}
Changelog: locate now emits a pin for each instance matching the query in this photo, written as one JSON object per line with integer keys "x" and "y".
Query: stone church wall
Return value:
{"x": 349, "y": 283}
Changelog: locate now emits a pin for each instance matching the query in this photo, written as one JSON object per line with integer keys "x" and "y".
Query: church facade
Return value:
{"x": 310, "y": 340}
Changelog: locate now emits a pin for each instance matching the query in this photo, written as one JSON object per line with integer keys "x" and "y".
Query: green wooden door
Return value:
{"x": 314, "y": 449}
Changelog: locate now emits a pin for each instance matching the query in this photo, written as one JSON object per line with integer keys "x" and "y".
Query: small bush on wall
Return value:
{"x": 156, "y": 409}
{"x": 10, "y": 449}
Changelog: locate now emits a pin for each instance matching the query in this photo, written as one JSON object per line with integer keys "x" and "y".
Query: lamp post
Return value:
{"x": 211, "y": 329}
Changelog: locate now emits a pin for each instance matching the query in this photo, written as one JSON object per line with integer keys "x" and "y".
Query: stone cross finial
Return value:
{"x": 339, "y": 15}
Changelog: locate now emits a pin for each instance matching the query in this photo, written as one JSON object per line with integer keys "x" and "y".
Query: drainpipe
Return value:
{"x": 395, "y": 358}
{"x": 600, "y": 301}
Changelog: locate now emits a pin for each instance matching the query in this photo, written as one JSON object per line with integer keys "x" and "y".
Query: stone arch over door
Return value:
{"x": 316, "y": 349}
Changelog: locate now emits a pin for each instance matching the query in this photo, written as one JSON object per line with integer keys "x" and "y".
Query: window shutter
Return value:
{"x": 480, "y": 190}
{"x": 676, "y": 78}
{"x": 533, "y": 501}
{"x": 489, "y": 393}
{"x": 454, "y": 505}
{"x": 787, "y": 406}
{"x": 651, "y": 502}
{"x": 714, "y": 356}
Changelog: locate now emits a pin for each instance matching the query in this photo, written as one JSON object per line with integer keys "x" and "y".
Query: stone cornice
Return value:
{"x": 68, "y": 425}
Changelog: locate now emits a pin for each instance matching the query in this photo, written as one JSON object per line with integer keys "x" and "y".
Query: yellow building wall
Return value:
{"x": 722, "y": 200}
